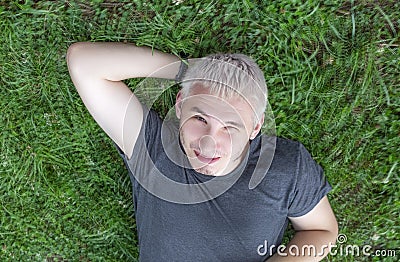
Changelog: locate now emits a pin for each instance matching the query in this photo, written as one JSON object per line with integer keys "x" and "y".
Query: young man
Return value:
{"x": 211, "y": 188}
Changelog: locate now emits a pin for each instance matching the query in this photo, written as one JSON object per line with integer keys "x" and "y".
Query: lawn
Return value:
{"x": 333, "y": 72}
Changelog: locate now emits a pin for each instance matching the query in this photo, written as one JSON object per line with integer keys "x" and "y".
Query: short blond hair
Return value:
{"x": 229, "y": 75}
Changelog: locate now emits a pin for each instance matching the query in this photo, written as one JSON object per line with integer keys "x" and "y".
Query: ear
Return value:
{"x": 178, "y": 105}
{"x": 257, "y": 128}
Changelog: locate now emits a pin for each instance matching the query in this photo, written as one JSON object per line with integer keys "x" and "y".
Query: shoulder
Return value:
{"x": 273, "y": 160}
{"x": 283, "y": 150}
{"x": 281, "y": 158}
{"x": 286, "y": 146}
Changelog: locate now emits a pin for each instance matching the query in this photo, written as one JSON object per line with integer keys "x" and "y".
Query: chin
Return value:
{"x": 210, "y": 170}
{"x": 206, "y": 171}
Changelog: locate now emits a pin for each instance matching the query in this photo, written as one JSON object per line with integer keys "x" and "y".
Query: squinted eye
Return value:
{"x": 230, "y": 128}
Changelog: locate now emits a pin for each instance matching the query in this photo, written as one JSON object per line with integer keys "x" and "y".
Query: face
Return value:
{"x": 214, "y": 132}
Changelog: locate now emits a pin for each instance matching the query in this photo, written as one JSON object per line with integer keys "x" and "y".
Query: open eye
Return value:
{"x": 201, "y": 119}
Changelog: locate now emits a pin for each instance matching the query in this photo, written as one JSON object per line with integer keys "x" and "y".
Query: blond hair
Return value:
{"x": 227, "y": 76}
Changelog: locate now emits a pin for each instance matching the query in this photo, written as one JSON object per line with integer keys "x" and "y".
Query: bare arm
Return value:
{"x": 97, "y": 69}
{"x": 317, "y": 229}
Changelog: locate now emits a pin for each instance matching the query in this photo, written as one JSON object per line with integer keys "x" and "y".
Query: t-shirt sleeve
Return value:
{"x": 311, "y": 185}
{"x": 145, "y": 149}
{"x": 150, "y": 130}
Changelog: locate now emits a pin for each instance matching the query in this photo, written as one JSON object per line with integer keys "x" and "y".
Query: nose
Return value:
{"x": 207, "y": 145}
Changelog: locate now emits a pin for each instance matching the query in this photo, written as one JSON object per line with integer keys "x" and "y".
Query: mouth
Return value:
{"x": 206, "y": 160}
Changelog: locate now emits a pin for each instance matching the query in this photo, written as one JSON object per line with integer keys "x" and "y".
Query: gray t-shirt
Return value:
{"x": 230, "y": 225}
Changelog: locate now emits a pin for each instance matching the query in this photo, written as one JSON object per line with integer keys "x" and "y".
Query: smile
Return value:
{"x": 206, "y": 160}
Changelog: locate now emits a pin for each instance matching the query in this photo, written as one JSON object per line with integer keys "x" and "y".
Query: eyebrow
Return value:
{"x": 233, "y": 123}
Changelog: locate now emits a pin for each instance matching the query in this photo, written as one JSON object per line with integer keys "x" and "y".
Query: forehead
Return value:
{"x": 200, "y": 100}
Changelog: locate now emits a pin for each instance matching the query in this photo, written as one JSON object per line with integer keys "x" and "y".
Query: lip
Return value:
{"x": 206, "y": 160}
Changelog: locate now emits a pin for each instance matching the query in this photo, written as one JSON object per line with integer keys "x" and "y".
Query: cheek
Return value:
{"x": 226, "y": 142}
{"x": 190, "y": 131}
{"x": 239, "y": 142}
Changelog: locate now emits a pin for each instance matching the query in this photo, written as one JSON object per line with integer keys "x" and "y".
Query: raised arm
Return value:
{"x": 97, "y": 69}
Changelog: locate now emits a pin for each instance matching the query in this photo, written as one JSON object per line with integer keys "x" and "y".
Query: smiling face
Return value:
{"x": 215, "y": 132}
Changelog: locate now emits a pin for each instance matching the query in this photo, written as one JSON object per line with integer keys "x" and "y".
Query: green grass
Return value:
{"x": 332, "y": 68}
